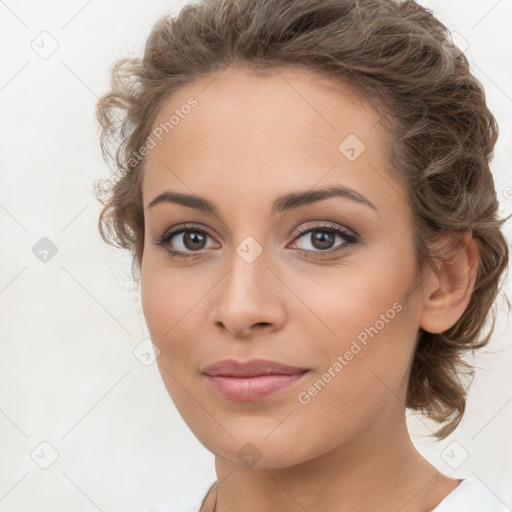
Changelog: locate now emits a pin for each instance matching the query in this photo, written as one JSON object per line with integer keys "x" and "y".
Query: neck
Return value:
{"x": 377, "y": 469}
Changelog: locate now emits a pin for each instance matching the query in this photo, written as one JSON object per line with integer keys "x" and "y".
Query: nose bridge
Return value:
{"x": 248, "y": 295}
{"x": 247, "y": 281}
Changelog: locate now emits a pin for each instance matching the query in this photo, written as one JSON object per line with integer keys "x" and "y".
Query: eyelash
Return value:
{"x": 330, "y": 228}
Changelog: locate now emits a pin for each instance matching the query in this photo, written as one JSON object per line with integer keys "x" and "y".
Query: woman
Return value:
{"x": 306, "y": 190}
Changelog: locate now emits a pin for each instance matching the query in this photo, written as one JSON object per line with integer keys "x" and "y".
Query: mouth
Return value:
{"x": 256, "y": 379}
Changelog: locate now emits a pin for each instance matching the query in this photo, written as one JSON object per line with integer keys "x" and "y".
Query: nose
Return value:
{"x": 249, "y": 299}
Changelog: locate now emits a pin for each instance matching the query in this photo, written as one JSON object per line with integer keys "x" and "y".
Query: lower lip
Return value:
{"x": 242, "y": 389}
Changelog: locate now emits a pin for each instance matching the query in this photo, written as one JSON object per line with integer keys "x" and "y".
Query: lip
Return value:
{"x": 255, "y": 379}
{"x": 251, "y": 368}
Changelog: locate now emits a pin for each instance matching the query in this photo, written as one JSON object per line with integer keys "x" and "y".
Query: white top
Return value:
{"x": 470, "y": 495}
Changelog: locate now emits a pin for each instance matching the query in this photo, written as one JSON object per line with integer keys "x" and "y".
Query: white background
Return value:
{"x": 68, "y": 375}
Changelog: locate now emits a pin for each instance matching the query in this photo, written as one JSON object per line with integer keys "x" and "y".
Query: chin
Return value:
{"x": 252, "y": 447}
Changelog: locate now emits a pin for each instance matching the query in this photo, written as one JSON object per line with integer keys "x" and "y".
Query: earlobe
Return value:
{"x": 447, "y": 295}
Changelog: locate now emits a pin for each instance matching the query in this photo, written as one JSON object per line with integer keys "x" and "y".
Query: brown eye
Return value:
{"x": 321, "y": 239}
{"x": 194, "y": 240}
{"x": 183, "y": 242}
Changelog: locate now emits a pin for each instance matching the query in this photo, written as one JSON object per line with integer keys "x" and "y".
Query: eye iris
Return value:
{"x": 324, "y": 238}
{"x": 191, "y": 239}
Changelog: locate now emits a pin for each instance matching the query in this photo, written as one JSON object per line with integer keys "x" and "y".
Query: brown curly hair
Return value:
{"x": 401, "y": 60}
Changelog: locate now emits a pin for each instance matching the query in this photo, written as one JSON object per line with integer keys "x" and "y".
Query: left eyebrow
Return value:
{"x": 298, "y": 199}
{"x": 284, "y": 203}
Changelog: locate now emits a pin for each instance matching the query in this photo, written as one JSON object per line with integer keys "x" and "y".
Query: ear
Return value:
{"x": 446, "y": 296}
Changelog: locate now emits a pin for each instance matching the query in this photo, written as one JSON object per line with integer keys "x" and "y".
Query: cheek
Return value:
{"x": 371, "y": 300}
{"x": 365, "y": 373}
{"x": 154, "y": 300}
{"x": 163, "y": 309}
{"x": 373, "y": 321}
{"x": 172, "y": 305}
{"x": 162, "y": 296}
{"x": 358, "y": 304}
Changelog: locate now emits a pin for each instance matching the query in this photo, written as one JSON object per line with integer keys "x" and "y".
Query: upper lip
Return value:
{"x": 251, "y": 368}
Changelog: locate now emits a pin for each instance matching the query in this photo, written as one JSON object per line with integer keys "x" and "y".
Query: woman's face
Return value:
{"x": 253, "y": 158}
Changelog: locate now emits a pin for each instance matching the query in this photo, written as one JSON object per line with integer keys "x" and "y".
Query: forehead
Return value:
{"x": 257, "y": 133}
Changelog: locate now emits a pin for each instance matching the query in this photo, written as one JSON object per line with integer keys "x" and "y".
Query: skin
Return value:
{"x": 250, "y": 140}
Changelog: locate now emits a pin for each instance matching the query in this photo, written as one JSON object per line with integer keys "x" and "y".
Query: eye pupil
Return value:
{"x": 324, "y": 238}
